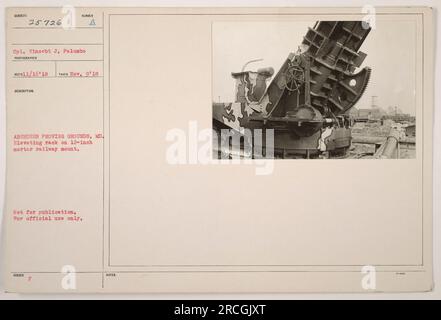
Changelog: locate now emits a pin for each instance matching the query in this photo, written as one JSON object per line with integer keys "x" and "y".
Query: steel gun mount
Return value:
{"x": 306, "y": 102}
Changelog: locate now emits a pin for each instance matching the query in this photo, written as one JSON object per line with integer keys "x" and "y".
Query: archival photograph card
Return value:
{"x": 221, "y": 150}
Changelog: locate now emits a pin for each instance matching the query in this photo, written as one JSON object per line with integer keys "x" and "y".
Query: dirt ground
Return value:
{"x": 374, "y": 130}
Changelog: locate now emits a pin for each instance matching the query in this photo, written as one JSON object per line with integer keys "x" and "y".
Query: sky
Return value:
{"x": 391, "y": 50}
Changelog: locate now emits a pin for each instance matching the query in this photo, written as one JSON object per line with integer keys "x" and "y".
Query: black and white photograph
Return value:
{"x": 314, "y": 89}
